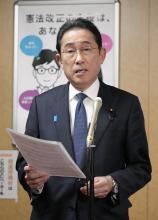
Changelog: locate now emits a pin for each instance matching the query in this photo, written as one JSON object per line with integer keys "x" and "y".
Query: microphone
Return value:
{"x": 97, "y": 106}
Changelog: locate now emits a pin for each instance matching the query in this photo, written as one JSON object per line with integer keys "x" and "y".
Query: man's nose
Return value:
{"x": 79, "y": 56}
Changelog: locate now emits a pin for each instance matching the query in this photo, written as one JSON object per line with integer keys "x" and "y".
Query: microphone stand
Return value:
{"x": 90, "y": 156}
{"x": 90, "y": 189}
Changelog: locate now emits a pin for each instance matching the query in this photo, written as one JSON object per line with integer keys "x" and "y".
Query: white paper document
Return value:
{"x": 48, "y": 156}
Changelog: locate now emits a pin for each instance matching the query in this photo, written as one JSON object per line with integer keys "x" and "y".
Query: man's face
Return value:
{"x": 80, "y": 57}
{"x": 46, "y": 74}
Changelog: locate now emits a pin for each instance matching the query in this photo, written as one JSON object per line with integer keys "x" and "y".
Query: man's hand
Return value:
{"x": 35, "y": 178}
{"x": 102, "y": 186}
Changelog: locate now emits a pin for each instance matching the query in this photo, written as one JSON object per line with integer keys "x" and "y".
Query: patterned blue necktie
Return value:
{"x": 80, "y": 129}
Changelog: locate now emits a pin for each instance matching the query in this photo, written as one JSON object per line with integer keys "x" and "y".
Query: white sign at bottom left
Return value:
{"x": 8, "y": 174}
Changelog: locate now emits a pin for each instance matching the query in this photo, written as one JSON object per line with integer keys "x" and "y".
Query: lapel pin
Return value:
{"x": 112, "y": 114}
{"x": 55, "y": 118}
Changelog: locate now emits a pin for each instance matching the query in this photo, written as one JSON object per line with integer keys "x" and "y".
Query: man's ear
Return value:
{"x": 58, "y": 58}
{"x": 103, "y": 55}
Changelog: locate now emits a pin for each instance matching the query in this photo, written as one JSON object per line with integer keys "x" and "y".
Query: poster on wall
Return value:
{"x": 36, "y": 24}
{"x": 8, "y": 174}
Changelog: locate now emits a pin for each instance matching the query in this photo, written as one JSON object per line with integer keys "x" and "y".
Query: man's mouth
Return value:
{"x": 80, "y": 71}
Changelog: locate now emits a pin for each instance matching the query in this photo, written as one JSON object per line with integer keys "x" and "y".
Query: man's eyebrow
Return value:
{"x": 74, "y": 43}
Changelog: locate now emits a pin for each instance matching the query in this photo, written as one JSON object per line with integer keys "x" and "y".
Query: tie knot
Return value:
{"x": 81, "y": 96}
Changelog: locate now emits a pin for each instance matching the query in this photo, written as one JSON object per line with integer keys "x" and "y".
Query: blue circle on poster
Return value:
{"x": 31, "y": 45}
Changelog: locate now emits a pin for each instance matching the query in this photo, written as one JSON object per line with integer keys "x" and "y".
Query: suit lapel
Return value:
{"x": 62, "y": 126}
{"x": 105, "y": 113}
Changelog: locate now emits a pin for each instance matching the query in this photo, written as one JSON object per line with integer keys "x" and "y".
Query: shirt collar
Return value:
{"x": 91, "y": 92}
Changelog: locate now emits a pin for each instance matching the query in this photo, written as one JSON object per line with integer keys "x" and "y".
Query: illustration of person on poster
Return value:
{"x": 46, "y": 70}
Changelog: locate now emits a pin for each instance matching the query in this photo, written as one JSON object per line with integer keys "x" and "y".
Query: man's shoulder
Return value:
{"x": 115, "y": 91}
{"x": 58, "y": 91}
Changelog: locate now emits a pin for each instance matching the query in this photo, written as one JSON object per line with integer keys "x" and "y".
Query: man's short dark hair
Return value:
{"x": 79, "y": 23}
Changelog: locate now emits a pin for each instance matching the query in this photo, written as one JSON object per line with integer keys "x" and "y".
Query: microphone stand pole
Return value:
{"x": 90, "y": 189}
{"x": 90, "y": 156}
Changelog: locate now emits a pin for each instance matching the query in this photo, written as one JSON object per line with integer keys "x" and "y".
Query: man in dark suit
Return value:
{"x": 121, "y": 160}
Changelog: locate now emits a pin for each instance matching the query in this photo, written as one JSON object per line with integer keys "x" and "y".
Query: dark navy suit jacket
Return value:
{"x": 121, "y": 151}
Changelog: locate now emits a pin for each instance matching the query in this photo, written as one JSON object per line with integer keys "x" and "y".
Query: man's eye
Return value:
{"x": 87, "y": 49}
{"x": 70, "y": 51}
